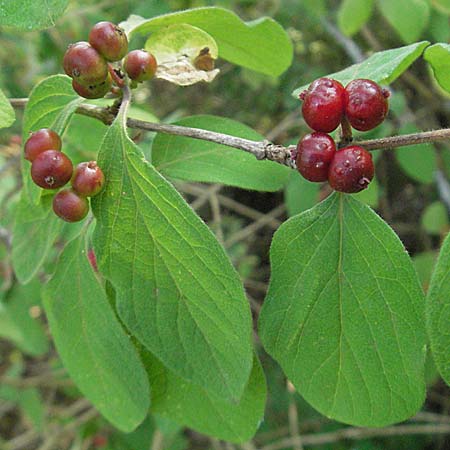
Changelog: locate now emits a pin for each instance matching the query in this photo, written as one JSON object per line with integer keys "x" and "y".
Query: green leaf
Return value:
{"x": 94, "y": 348}
{"x": 17, "y": 324}
{"x": 408, "y": 17}
{"x": 417, "y": 161}
{"x": 199, "y": 160}
{"x": 141, "y": 438}
{"x": 261, "y": 45}
{"x": 7, "y": 114}
{"x": 191, "y": 406}
{"x": 35, "y": 229}
{"x": 31, "y": 15}
{"x": 51, "y": 104}
{"x": 438, "y": 27}
{"x": 435, "y": 218}
{"x": 344, "y": 315}
{"x": 438, "y": 56}
{"x": 30, "y": 401}
{"x": 383, "y": 67}
{"x": 424, "y": 263}
{"x": 176, "y": 289}
{"x": 438, "y": 312}
{"x": 300, "y": 194}
{"x": 353, "y": 14}
{"x": 442, "y": 5}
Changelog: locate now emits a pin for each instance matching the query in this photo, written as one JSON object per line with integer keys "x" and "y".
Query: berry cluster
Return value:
{"x": 326, "y": 104}
{"x": 89, "y": 63}
{"x": 52, "y": 169}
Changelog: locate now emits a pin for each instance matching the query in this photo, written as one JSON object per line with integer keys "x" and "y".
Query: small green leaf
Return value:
{"x": 438, "y": 56}
{"x": 199, "y": 160}
{"x": 417, "y": 161}
{"x": 261, "y": 45}
{"x": 191, "y": 406}
{"x": 300, "y": 194}
{"x": 30, "y": 402}
{"x": 17, "y": 324}
{"x": 177, "y": 291}
{"x": 51, "y": 103}
{"x": 435, "y": 218}
{"x": 31, "y": 15}
{"x": 344, "y": 315}
{"x": 383, "y": 67}
{"x": 94, "y": 348}
{"x": 408, "y": 17}
{"x": 353, "y": 14}
{"x": 7, "y": 114}
{"x": 35, "y": 229}
{"x": 438, "y": 312}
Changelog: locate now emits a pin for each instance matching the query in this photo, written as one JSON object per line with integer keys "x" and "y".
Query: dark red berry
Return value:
{"x": 69, "y": 206}
{"x": 351, "y": 169}
{"x": 366, "y": 104}
{"x": 323, "y": 104}
{"x": 140, "y": 65}
{"x": 88, "y": 179}
{"x": 51, "y": 169}
{"x": 84, "y": 64}
{"x": 93, "y": 90}
{"x": 40, "y": 141}
{"x": 109, "y": 40}
{"x": 315, "y": 152}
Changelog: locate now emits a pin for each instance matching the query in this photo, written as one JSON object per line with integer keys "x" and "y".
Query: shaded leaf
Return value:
{"x": 435, "y": 218}
{"x": 438, "y": 56}
{"x": 300, "y": 194}
{"x": 7, "y": 114}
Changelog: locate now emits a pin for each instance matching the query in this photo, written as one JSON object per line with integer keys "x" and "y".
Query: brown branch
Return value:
{"x": 260, "y": 149}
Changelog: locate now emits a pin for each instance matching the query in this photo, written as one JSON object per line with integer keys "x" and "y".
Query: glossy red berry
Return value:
{"x": 140, "y": 65}
{"x": 88, "y": 179}
{"x": 93, "y": 90}
{"x": 51, "y": 169}
{"x": 109, "y": 40}
{"x": 351, "y": 170}
{"x": 84, "y": 64}
{"x": 366, "y": 104}
{"x": 315, "y": 152}
{"x": 69, "y": 206}
{"x": 40, "y": 141}
{"x": 323, "y": 104}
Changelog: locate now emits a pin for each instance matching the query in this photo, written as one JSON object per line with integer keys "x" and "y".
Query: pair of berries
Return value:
{"x": 326, "y": 104}
{"x": 88, "y": 63}
{"x": 52, "y": 169}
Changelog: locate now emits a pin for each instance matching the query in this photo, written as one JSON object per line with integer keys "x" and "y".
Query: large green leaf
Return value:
{"x": 438, "y": 312}
{"x": 438, "y": 56}
{"x": 176, "y": 289}
{"x": 442, "y": 5}
{"x": 7, "y": 115}
{"x": 31, "y": 14}
{"x": 51, "y": 104}
{"x": 35, "y": 229}
{"x": 408, "y": 17}
{"x": 300, "y": 194}
{"x": 344, "y": 315}
{"x": 198, "y": 160}
{"x": 261, "y": 45}
{"x": 94, "y": 348}
{"x": 383, "y": 67}
{"x": 192, "y": 406}
{"x": 353, "y": 14}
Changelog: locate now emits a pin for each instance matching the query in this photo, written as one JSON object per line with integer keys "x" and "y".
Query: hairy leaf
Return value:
{"x": 94, "y": 348}
{"x": 344, "y": 315}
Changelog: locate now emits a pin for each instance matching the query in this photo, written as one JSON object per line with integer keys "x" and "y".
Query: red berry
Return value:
{"x": 351, "y": 169}
{"x": 315, "y": 152}
{"x": 323, "y": 104}
{"x": 366, "y": 104}
{"x": 88, "y": 179}
{"x": 84, "y": 64}
{"x": 51, "y": 169}
{"x": 140, "y": 65}
{"x": 109, "y": 40}
{"x": 93, "y": 90}
{"x": 69, "y": 206}
{"x": 40, "y": 141}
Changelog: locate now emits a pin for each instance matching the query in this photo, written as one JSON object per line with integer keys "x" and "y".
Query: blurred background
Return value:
{"x": 40, "y": 408}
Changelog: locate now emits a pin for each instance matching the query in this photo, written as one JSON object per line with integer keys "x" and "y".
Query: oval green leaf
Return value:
{"x": 94, "y": 348}
{"x": 438, "y": 56}
{"x": 353, "y": 14}
{"x": 7, "y": 114}
{"x": 199, "y": 160}
{"x": 344, "y": 315}
{"x": 177, "y": 291}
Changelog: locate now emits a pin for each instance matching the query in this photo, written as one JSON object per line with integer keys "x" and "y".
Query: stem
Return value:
{"x": 260, "y": 149}
{"x": 346, "y": 132}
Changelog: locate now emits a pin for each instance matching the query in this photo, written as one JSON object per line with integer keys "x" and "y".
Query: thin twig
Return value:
{"x": 293, "y": 418}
